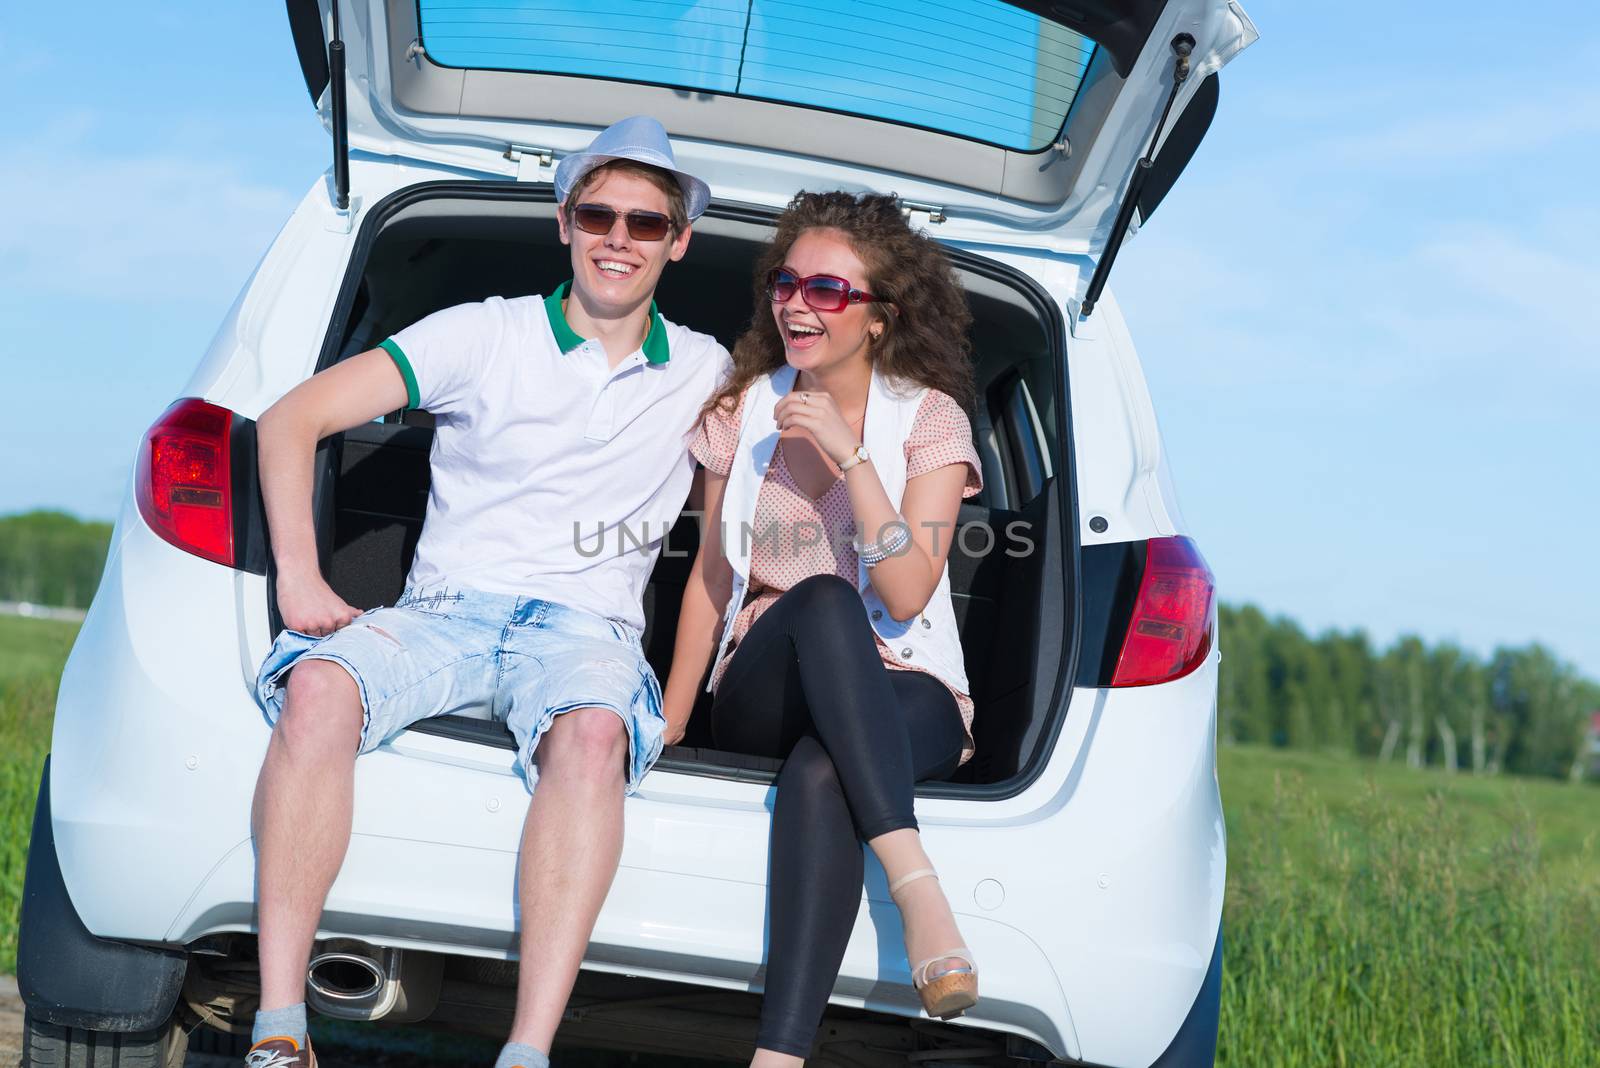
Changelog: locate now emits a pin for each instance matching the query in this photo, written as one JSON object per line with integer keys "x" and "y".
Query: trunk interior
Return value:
{"x": 431, "y": 250}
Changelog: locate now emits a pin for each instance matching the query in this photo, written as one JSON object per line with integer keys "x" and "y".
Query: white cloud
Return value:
{"x": 1452, "y": 137}
{"x": 107, "y": 227}
{"x": 1423, "y": 118}
{"x": 1550, "y": 290}
{"x": 1340, "y": 275}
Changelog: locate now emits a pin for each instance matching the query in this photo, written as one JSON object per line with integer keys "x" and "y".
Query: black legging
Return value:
{"x": 806, "y": 683}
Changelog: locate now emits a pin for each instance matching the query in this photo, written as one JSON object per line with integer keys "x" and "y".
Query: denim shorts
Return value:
{"x": 523, "y": 661}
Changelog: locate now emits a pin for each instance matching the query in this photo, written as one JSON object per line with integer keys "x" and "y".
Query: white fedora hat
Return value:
{"x": 641, "y": 139}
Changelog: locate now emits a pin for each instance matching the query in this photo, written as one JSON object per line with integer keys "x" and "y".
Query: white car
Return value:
{"x": 1083, "y": 848}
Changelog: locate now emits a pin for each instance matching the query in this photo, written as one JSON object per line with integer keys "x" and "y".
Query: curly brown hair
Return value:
{"x": 925, "y": 343}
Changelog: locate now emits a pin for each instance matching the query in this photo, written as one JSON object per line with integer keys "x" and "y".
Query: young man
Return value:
{"x": 554, "y": 414}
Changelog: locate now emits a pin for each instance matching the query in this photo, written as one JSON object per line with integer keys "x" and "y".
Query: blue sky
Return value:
{"x": 1365, "y": 314}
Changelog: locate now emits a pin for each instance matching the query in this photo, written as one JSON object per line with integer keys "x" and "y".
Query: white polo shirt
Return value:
{"x": 554, "y": 475}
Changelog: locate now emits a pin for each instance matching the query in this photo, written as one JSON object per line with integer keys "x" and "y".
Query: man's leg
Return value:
{"x": 301, "y": 820}
{"x": 571, "y": 844}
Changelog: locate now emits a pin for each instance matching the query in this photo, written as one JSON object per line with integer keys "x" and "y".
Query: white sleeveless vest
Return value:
{"x": 930, "y": 639}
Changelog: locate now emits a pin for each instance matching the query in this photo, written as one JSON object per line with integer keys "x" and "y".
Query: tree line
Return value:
{"x": 51, "y": 558}
{"x": 1520, "y": 710}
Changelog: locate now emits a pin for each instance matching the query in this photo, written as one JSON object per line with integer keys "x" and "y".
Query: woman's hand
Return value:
{"x": 677, "y": 724}
{"x": 705, "y": 595}
{"x": 817, "y": 413}
{"x": 309, "y": 605}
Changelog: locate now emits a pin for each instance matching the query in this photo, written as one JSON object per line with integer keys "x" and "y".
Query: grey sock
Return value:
{"x": 517, "y": 1055}
{"x": 276, "y": 1023}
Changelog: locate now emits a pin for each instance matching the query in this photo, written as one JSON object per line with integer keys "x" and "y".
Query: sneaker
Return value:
{"x": 281, "y": 1052}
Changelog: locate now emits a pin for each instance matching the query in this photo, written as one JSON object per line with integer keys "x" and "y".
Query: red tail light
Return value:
{"x": 183, "y": 482}
{"x": 1170, "y": 631}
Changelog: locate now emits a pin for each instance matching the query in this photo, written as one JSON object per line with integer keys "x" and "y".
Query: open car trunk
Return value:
{"x": 431, "y": 247}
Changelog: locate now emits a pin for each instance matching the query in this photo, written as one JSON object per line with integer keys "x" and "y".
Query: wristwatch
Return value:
{"x": 860, "y": 456}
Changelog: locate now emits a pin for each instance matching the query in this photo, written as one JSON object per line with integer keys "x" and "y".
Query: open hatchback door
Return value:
{"x": 1009, "y": 123}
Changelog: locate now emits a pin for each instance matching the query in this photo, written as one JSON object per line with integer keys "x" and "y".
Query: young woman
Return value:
{"x": 836, "y": 457}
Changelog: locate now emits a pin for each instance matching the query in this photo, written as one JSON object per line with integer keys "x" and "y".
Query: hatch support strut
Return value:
{"x": 341, "y": 131}
{"x": 1182, "y": 48}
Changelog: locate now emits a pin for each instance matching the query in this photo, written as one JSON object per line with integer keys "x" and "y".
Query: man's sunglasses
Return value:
{"x": 821, "y": 292}
{"x": 642, "y": 225}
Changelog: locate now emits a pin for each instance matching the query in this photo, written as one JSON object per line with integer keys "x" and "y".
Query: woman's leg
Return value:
{"x": 816, "y": 866}
{"x": 760, "y": 709}
{"x": 937, "y": 736}
{"x": 833, "y": 673}
{"x": 815, "y": 879}
{"x": 832, "y": 680}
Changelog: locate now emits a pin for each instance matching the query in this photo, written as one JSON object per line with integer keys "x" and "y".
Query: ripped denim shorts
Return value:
{"x": 525, "y": 661}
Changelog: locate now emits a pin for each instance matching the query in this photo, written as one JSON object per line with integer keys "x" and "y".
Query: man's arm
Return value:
{"x": 353, "y": 391}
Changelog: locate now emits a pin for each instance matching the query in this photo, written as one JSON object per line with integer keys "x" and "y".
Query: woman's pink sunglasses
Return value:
{"x": 821, "y": 292}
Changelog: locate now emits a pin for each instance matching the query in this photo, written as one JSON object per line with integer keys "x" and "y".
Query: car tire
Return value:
{"x": 48, "y": 1045}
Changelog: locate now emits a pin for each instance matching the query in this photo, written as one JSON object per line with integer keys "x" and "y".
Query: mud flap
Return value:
{"x": 71, "y": 978}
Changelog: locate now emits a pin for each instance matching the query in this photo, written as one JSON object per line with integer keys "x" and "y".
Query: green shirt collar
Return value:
{"x": 655, "y": 347}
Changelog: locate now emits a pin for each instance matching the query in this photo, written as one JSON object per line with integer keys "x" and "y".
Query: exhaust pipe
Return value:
{"x": 351, "y": 980}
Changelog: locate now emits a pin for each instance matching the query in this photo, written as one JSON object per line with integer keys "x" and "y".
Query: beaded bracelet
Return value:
{"x": 891, "y": 544}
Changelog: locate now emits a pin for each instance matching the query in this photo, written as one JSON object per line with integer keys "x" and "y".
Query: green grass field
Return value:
{"x": 32, "y": 653}
{"x": 1375, "y": 915}
{"x": 1381, "y": 916}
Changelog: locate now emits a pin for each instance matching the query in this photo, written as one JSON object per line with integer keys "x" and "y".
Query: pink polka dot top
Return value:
{"x": 941, "y": 435}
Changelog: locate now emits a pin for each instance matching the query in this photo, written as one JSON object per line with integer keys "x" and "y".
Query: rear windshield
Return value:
{"x": 981, "y": 69}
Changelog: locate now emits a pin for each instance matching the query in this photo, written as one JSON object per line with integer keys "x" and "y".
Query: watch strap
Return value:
{"x": 860, "y": 456}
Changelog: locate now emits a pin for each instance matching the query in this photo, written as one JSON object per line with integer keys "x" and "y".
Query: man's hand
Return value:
{"x": 308, "y": 604}
{"x": 348, "y": 394}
